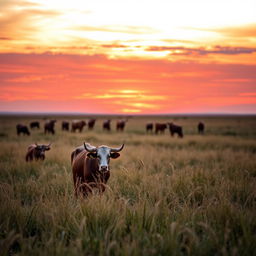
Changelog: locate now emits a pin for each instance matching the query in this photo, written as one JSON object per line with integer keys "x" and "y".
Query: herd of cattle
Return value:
{"x": 78, "y": 125}
{"x": 90, "y": 165}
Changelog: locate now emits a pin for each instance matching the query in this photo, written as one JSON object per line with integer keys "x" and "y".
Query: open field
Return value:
{"x": 165, "y": 196}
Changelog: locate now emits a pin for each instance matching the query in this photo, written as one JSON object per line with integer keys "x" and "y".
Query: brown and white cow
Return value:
{"x": 37, "y": 152}
{"x": 90, "y": 167}
{"x": 160, "y": 128}
{"x": 77, "y": 125}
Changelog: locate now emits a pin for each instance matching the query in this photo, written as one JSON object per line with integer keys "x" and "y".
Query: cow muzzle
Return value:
{"x": 103, "y": 168}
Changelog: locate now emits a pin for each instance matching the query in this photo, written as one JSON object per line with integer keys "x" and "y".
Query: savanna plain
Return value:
{"x": 165, "y": 196}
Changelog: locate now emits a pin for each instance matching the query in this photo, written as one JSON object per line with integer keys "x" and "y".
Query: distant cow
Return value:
{"x": 200, "y": 127}
{"x": 22, "y": 129}
{"x": 90, "y": 167}
{"x": 37, "y": 152}
{"x": 120, "y": 125}
{"x": 35, "y": 124}
{"x": 91, "y": 124}
{"x": 77, "y": 125}
{"x": 49, "y": 126}
{"x": 175, "y": 129}
{"x": 149, "y": 127}
{"x": 160, "y": 128}
{"x": 65, "y": 126}
{"x": 106, "y": 125}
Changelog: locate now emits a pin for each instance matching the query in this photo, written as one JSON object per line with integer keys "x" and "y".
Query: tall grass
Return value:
{"x": 165, "y": 196}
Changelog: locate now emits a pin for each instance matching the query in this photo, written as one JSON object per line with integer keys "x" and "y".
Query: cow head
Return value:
{"x": 40, "y": 150}
{"x": 102, "y": 154}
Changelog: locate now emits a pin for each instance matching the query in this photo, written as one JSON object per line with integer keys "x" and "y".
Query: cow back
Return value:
{"x": 84, "y": 168}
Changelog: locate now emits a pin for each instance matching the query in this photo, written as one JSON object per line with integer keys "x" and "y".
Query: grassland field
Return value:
{"x": 165, "y": 196}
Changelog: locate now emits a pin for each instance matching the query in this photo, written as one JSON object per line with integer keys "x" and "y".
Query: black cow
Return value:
{"x": 149, "y": 127}
{"x": 106, "y": 125}
{"x": 175, "y": 129}
{"x": 35, "y": 124}
{"x": 22, "y": 129}
{"x": 49, "y": 126}
{"x": 160, "y": 128}
{"x": 65, "y": 126}
{"x": 200, "y": 127}
{"x": 91, "y": 124}
{"x": 120, "y": 125}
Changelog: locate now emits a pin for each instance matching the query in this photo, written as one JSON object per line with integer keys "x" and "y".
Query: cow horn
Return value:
{"x": 89, "y": 148}
{"x": 49, "y": 144}
{"x": 117, "y": 149}
{"x": 36, "y": 144}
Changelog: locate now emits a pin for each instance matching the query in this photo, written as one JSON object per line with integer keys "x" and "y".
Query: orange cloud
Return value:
{"x": 118, "y": 29}
{"x": 248, "y": 31}
{"x": 58, "y": 82}
{"x": 136, "y": 96}
{"x": 130, "y": 110}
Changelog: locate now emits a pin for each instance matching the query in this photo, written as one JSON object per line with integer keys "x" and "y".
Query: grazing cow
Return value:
{"x": 120, "y": 125}
{"x": 149, "y": 127}
{"x": 91, "y": 124}
{"x": 106, "y": 125}
{"x": 49, "y": 126}
{"x": 22, "y": 129}
{"x": 37, "y": 152}
{"x": 200, "y": 127}
{"x": 35, "y": 124}
{"x": 65, "y": 126}
{"x": 77, "y": 125}
{"x": 175, "y": 129}
{"x": 160, "y": 128}
{"x": 90, "y": 167}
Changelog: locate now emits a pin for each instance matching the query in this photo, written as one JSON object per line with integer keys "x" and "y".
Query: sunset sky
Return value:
{"x": 128, "y": 57}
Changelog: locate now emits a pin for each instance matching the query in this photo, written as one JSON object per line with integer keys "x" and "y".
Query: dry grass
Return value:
{"x": 165, "y": 196}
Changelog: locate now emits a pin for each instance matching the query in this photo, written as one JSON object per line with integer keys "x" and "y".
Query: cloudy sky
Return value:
{"x": 116, "y": 56}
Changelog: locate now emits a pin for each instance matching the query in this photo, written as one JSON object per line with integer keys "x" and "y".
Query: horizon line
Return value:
{"x": 127, "y": 114}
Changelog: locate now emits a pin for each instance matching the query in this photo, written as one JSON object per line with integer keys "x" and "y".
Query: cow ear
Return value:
{"x": 92, "y": 155}
{"x": 114, "y": 155}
